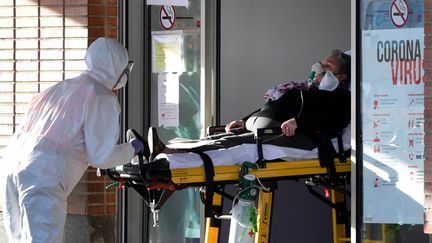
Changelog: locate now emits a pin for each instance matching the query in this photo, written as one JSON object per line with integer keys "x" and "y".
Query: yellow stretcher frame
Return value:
{"x": 273, "y": 171}
{"x": 268, "y": 171}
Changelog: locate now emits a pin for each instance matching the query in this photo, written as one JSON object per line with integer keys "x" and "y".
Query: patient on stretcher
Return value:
{"x": 305, "y": 113}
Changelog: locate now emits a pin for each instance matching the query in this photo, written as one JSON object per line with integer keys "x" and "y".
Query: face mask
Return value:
{"x": 329, "y": 82}
{"x": 315, "y": 69}
{"x": 123, "y": 76}
{"x": 121, "y": 82}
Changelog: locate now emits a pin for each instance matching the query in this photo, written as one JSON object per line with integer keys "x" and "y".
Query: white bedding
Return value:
{"x": 248, "y": 152}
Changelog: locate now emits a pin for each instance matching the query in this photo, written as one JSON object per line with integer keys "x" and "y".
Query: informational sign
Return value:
{"x": 168, "y": 100}
{"x": 399, "y": 12}
{"x": 167, "y": 52}
{"x": 184, "y": 3}
{"x": 167, "y": 17}
{"x": 393, "y": 123}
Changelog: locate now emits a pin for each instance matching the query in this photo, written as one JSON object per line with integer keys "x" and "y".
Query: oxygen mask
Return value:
{"x": 316, "y": 70}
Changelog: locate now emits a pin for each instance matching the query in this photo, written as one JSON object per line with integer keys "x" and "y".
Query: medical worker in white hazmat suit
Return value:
{"x": 67, "y": 127}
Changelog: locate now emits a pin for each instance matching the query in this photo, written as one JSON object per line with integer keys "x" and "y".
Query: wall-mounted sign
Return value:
{"x": 184, "y": 3}
{"x": 168, "y": 52}
{"x": 393, "y": 123}
{"x": 167, "y": 17}
{"x": 399, "y": 12}
{"x": 168, "y": 99}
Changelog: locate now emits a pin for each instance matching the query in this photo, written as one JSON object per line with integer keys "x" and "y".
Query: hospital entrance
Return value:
{"x": 201, "y": 64}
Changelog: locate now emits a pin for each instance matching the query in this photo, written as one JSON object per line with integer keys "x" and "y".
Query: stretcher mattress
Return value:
{"x": 247, "y": 152}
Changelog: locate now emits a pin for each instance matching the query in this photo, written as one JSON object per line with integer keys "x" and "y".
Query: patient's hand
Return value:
{"x": 289, "y": 127}
{"x": 235, "y": 126}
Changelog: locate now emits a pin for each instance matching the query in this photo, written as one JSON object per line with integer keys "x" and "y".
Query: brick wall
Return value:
{"x": 90, "y": 196}
{"x": 102, "y": 19}
{"x": 43, "y": 42}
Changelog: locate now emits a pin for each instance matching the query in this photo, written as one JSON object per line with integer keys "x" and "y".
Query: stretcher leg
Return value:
{"x": 341, "y": 223}
{"x": 265, "y": 205}
{"x": 213, "y": 224}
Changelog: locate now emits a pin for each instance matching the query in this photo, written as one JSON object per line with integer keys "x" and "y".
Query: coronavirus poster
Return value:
{"x": 393, "y": 122}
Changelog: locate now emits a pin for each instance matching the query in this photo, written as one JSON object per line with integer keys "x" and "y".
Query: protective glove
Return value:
{"x": 138, "y": 145}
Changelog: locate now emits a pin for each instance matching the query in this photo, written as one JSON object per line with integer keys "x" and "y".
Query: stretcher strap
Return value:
{"x": 326, "y": 153}
{"x": 209, "y": 173}
{"x": 261, "y": 161}
{"x": 341, "y": 155}
{"x": 259, "y": 136}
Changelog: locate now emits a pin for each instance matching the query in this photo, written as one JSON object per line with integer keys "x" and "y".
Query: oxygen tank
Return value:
{"x": 244, "y": 214}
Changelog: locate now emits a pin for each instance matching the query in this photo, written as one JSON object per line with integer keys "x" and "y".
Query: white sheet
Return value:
{"x": 248, "y": 152}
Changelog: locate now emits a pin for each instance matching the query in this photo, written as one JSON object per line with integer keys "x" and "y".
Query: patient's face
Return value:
{"x": 331, "y": 63}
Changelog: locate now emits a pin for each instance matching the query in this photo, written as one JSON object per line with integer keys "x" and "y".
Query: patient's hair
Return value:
{"x": 346, "y": 63}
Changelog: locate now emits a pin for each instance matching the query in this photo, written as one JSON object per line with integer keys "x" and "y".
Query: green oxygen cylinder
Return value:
{"x": 245, "y": 212}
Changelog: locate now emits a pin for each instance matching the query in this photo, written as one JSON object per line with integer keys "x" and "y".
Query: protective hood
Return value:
{"x": 106, "y": 59}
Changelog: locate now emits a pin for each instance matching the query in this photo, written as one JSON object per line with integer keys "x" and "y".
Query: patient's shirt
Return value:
{"x": 313, "y": 110}
{"x": 286, "y": 107}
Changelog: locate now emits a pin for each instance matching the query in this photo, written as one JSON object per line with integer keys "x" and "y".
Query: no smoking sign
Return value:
{"x": 167, "y": 17}
{"x": 399, "y": 12}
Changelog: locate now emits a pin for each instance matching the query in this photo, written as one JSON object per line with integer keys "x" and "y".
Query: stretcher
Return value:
{"x": 156, "y": 182}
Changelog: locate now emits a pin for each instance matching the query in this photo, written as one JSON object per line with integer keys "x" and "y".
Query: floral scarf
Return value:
{"x": 279, "y": 90}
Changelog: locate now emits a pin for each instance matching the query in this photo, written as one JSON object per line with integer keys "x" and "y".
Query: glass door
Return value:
{"x": 177, "y": 101}
{"x": 176, "y": 70}
{"x": 392, "y": 122}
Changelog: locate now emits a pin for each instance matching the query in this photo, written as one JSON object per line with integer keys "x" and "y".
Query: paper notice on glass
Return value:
{"x": 168, "y": 2}
{"x": 168, "y": 100}
{"x": 393, "y": 98}
{"x": 167, "y": 52}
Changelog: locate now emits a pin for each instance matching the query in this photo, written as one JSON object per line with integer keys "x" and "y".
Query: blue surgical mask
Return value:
{"x": 329, "y": 82}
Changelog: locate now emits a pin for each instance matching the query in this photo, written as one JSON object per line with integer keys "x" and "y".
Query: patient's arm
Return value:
{"x": 288, "y": 127}
{"x": 235, "y": 126}
{"x": 238, "y": 126}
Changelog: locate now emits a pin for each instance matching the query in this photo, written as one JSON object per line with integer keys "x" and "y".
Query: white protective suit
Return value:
{"x": 68, "y": 127}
